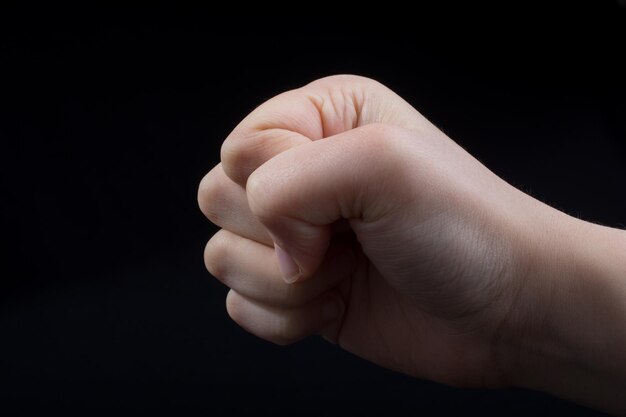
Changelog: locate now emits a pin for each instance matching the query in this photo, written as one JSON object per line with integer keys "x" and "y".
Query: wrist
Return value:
{"x": 568, "y": 334}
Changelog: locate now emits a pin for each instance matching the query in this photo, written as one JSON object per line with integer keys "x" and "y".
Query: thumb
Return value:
{"x": 300, "y": 193}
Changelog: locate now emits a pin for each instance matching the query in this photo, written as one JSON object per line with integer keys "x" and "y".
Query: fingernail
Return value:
{"x": 332, "y": 309}
{"x": 290, "y": 270}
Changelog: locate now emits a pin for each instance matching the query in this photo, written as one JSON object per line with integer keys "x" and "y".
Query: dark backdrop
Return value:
{"x": 109, "y": 120}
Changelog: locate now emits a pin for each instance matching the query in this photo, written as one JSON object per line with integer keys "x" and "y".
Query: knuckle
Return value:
{"x": 261, "y": 194}
{"x": 379, "y": 140}
{"x": 216, "y": 255}
{"x": 383, "y": 153}
{"x": 380, "y": 133}
{"x": 280, "y": 330}
{"x": 230, "y": 155}
{"x": 348, "y": 79}
{"x": 233, "y": 308}
{"x": 285, "y": 331}
{"x": 238, "y": 156}
{"x": 243, "y": 153}
{"x": 211, "y": 194}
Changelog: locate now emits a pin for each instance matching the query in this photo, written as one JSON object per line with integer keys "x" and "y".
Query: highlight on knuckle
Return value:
{"x": 211, "y": 197}
{"x": 216, "y": 255}
{"x": 261, "y": 195}
{"x": 237, "y": 158}
{"x": 233, "y": 308}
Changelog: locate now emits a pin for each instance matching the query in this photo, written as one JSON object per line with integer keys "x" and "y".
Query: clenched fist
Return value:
{"x": 345, "y": 213}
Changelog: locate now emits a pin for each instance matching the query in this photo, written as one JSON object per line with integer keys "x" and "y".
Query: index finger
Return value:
{"x": 320, "y": 109}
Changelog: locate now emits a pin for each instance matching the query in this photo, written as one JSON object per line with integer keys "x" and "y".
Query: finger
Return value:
{"x": 323, "y": 108}
{"x": 251, "y": 269}
{"x": 284, "y": 326}
{"x": 298, "y": 194}
{"x": 225, "y": 204}
{"x": 245, "y": 149}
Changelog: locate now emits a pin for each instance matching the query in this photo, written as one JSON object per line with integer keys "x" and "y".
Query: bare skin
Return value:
{"x": 345, "y": 213}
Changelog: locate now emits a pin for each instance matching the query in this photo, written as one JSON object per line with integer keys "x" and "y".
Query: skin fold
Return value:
{"x": 345, "y": 213}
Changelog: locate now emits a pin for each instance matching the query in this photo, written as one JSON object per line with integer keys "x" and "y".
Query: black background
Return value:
{"x": 109, "y": 119}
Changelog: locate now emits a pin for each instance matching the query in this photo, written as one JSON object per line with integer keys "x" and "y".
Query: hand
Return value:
{"x": 344, "y": 212}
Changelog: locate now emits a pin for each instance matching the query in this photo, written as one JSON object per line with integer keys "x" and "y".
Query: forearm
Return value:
{"x": 571, "y": 339}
